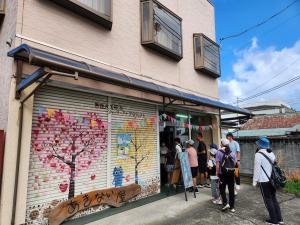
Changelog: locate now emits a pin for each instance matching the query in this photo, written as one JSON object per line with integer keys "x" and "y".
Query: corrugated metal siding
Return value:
{"x": 46, "y": 181}
{"x": 143, "y": 128}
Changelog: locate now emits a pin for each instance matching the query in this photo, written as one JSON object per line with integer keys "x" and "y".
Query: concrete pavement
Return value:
{"x": 175, "y": 211}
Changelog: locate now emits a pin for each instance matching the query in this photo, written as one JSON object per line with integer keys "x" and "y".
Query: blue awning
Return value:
{"x": 42, "y": 58}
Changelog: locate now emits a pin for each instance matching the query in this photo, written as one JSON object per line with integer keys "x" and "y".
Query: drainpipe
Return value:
{"x": 21, "y": 112}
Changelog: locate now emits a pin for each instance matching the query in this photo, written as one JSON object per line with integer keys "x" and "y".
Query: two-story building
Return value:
{"x": 89, "y": 89}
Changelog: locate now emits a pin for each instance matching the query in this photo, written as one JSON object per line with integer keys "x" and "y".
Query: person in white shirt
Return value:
{"x": 262, "y": 172}
{"x": 177, "y": 146}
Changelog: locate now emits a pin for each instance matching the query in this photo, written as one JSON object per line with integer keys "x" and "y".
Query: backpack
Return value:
{"x": 228, "y": 164}
{"x": 277, "y": 178}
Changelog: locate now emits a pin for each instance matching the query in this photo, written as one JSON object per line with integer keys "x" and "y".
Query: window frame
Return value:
{"x": 152, "y": 43}
{"x": 2, "y": 9}
{"x": 88, "y": 12}
{"x": 200, "y": 65}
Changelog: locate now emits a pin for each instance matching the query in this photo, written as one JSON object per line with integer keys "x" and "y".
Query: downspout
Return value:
{"x": 21, "y": 111}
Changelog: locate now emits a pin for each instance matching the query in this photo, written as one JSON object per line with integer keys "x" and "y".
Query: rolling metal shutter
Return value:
{"x": 135, "y": 121}
{"x": 48, "y": 183}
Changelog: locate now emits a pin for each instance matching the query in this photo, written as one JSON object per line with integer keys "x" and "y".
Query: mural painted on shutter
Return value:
{"x": 68, "y": 154}
{"x": 136, "y": 132}
{"x": 67, "y": 145}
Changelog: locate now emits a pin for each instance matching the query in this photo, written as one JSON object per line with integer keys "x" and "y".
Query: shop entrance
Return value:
{"x": 184, "y": 125}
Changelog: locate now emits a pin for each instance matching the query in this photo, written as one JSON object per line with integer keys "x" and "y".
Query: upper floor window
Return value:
{"x": 2, "y": 8}
{"x": 161, "y": 29}
{"x": 99, "y": 11}
{"x": 206, "y": 55}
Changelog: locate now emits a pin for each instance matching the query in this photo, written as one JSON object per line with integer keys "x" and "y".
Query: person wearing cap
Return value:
{"x": 263, "y": 170}
{"x": 226, "y": 174}
{"x": 193, "y": 160}
{"x": 235, "y": 148}
{"x": 214, "y": 180}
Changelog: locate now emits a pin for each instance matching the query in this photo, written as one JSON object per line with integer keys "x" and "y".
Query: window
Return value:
{"x": 206, "y": 55}
{"x": 161, "y": 29}
{"x": 99, "y": 11}
{"x": 2, "y": 8}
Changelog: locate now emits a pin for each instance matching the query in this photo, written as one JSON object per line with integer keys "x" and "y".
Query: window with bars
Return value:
{"x": 161, "y": 29}
{"x": 206, "y": 55}
{"x": 99, "y": 11}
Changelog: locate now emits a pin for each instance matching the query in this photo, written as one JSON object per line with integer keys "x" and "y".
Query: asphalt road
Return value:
{"x": 250, "y": 210}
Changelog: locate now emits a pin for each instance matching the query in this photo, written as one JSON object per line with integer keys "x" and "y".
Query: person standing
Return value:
{"x": 235, "y": 148}
{"x": 163, "y": 153}
{"x": 262, "y": 172}
{"x": 202, "y": 161}
{"x": 214, "y": 180}
{"x": 193, "y": 160}
{"x": 170, "y": 164}
{"x": 226, "y": 161}
{"x": 178, "y": 146}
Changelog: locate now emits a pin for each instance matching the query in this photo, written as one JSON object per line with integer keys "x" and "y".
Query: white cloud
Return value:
{"x": 253, "y": 72}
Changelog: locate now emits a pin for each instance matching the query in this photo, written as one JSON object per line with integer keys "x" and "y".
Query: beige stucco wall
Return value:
{"x": 45, "y": 25}
{"x": 7, "y": 33}
{"x": 52, "y": 25}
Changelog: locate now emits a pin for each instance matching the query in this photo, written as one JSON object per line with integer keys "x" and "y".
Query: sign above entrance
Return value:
{"x": 118, "y": 109}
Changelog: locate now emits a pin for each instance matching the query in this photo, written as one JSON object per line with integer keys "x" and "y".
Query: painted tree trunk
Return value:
{"x": 72, "y": 176}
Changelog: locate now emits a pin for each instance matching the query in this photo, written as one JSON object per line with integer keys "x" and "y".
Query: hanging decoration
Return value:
{"x": 178, "y": 123}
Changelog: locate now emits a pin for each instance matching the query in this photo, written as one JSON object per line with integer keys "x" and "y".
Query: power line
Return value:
{"x": 271, "y": 89}
{"x": 261, "y": 35}
{"x": 277, "y": 74}
{"x": 259, "y": 24}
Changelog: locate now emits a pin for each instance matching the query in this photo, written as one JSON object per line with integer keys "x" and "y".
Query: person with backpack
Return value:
{"x": 226, "y": 161}
{"x": 264, "y": 177}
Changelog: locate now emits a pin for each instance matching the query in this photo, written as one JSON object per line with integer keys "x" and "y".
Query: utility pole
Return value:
{"x": 237, "y": 115}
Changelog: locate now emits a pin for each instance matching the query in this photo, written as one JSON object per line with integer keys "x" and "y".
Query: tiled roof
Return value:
{"x": 272, "y": 121}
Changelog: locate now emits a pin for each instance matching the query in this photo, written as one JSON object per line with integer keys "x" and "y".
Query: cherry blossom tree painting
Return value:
{"x": 68, "y": 144}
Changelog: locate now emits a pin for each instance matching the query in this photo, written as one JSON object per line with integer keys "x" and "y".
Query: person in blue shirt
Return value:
{"x": 235, "y": 148}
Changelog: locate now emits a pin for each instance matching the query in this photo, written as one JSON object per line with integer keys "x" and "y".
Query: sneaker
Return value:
{"x": 237, "y": 187}
{"x": 207, "y": 185}
{"x": 197, "y": 191}
{"x": 232, "y": 210}
{"x": 235, "y": 193}
{"x": 217, "y": 201}
{"x": 200, "y": 186}
{"x": 225, "y": 207}
{"x": 281, "y": 222}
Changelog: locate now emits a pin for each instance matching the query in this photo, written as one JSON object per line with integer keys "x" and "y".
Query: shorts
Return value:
{"x": 194, "y": 171}
{"x": 202, "y": 168}
{"x": 170, "y": 168}
{"x": 202, "y": 164}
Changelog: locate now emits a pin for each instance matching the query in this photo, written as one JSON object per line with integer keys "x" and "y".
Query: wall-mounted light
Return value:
{"x": 182, "y": 116}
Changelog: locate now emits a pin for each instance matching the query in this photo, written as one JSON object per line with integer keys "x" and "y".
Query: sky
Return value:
{"x": 262, "y": 58}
